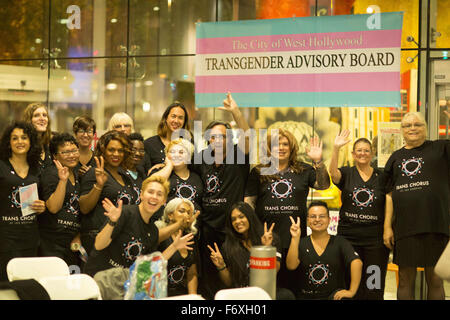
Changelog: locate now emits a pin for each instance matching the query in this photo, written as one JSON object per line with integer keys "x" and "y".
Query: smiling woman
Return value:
{"x": 19, "y": 167}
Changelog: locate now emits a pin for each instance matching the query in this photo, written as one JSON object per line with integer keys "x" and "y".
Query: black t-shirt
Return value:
{"x": 361, "y": 216}
{"x": 177, "y": 268}
{"x": 154, "y": 149}
{"x": 322, "y": 275}
{"x": 131, "y": 238}
{"x": 62, "y": 226}
{"x": 113, "y": 190}
{"x": 227, "y": 257}
{"x": 136, "y": 179}
{"x": 47, "y": 161}
{"x": 277, "y": 200}
{"x": 17, "y": 232}
{"x": 419, "y": 181}
{"x": 191, "y": 189}
{"x": 224, "y": 185}
{"x": 91, "y": 163}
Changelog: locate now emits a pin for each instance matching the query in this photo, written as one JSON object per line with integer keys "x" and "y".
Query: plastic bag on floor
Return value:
{"x": 148, "y": 278}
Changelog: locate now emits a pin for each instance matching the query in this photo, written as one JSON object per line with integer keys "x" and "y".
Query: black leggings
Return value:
{"x": 373, "y": 277}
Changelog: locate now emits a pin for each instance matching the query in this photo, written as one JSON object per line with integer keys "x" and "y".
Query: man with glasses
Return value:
{"x": 324, "y": 260}
{"x": 223, "y": 168}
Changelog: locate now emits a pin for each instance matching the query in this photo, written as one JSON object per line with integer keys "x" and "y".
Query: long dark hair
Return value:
{"x": 162, "y": 126}
{"x": 33, "y": 155}
{"x": 233, "y": 249}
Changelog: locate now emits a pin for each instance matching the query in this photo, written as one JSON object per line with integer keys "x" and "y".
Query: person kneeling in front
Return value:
{"x": 324, "y": 259}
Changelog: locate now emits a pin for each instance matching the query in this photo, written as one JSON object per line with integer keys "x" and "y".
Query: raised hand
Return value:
{"x": 229, "y": 104}
{"x": 63, "y": 172}
{"x": 183, "y": 242}
{"x": 295, "y": 229}
{"x": 100, "y": 174}
{"x": 267, "y": 237}
{"x": 342, "y": 138}
{"x": 111, "y": 211}
{"x": 216, "y": 256}
{"x": 314, "y": 150}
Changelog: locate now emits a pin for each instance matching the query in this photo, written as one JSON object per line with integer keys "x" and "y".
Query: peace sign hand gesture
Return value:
{"x": 314, "y": 150}
{"x": 295, "y": 229}
{"x": 267, "y": 237}
{"x": 111, "y": 211}
{"x": 63, "y": 172}
{"x": 100, "y": 174}
{"x": 342, "y": 139}
{"x": 216, "y": 256}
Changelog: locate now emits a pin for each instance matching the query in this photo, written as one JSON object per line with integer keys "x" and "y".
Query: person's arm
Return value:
{"x": 292, "y": 259}
{"x": 340, "y": 141}
{"x": 388, "y": 233}
{"x": 166, "y": 232}
{"x": 178, "y": 243}
{"x": 56, "y": 200}
{"x": 314, "y": 152}
{"x": 217, "y": 260}
{"x": 104, "y": 237}
{"x": 251, "y": 201}
{"x": 166, "y": 170}
{"x": 230, "y": 105}
{"x": 88, "y": 201}
{"x": 355, "y": 279}
{"x": 192, "y": 279}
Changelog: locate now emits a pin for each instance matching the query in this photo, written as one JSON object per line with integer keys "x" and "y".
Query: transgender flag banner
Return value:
{"x": 327, "y": 61}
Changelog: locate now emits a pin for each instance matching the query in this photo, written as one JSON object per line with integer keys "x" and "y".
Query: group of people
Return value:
{"x": 102, "y": 208}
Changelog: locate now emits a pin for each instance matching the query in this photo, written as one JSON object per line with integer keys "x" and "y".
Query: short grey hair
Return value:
{"x": 171, "y": 206}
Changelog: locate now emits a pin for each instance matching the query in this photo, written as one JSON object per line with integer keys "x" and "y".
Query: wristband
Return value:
{"x": 223, "y": 268}
{"x": 111, "y": 223}
{"x": 95, "y": 187}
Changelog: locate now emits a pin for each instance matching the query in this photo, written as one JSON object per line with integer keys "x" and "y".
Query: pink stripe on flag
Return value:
{"x": 301, "y": 42}
{"x": 325, "y": 82}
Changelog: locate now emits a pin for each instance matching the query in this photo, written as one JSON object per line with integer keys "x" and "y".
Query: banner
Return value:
{"x": 327, "y": 61}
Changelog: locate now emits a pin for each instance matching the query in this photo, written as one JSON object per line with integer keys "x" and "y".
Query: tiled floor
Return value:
{"x": 390, "y": 291}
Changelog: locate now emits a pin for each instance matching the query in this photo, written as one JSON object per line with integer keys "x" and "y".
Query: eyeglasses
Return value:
{"x": 410, "y": 125}
{"x": 81, "y": 131}
{"x": 321, "y": 217}
{"x": 69, "y": 152}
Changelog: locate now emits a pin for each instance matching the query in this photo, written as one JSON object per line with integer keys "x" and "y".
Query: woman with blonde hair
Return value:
{"x": 184, "y": 183}
{"x": 37, "y": 114}
{"x": 120, "y": 121}
{"x": 282, "y": 194}
{"x": 129, "y": 232}
{"x": 182, "y": 266}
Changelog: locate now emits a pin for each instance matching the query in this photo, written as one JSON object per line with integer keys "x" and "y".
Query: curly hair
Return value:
{"x": 58, "y": 140}
{"x": 33, "y": 154}
{"x": 27, "y": 116}
{"x": 295, "y": 165}
{"x": 121, "y": 137}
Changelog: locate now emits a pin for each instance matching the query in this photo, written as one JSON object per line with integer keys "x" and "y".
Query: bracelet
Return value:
{"x": 316, "y": 164}
{"x": 223, "y": 268}
{"x": 95, "y": 187}
{"x": 111, "y": 223}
